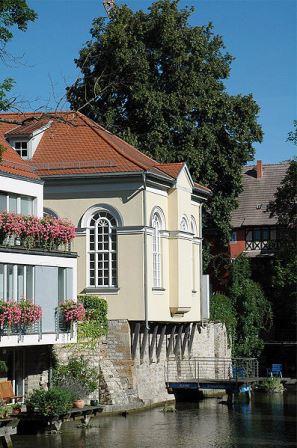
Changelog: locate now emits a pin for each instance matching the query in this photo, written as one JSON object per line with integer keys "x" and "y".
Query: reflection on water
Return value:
{"x": 268, "y": 421}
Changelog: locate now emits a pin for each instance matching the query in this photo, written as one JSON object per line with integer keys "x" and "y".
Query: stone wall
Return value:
{"x": 126, "y": 381}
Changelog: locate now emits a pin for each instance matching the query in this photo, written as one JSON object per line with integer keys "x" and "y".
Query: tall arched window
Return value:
{"x": 102, "y": 250}
{"x": 157, "y": 225}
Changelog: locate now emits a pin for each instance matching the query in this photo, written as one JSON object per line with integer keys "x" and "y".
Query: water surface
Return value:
{"x": 266, "y": 422}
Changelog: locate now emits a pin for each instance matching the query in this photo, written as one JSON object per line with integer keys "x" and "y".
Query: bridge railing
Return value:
{"x": 198, "y": 369}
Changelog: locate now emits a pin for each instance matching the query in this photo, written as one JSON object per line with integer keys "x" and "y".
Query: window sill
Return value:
{"x": 158, "y": 290}
{"x": 93, "y": 289}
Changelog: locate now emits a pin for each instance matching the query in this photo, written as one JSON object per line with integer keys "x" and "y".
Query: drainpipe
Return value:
{"x": 145, "y": 253}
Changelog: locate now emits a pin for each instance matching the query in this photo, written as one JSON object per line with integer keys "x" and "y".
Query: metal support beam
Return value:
{"x": 190, "y": 344}
{"x": 185, "y": 340}
{"x": 160, "y": 343}
{"x": 135, "y": 338}
{"x": 171, "y": 340}
{"x": 153, "y": 342}
{"x": 143, "y": 343}
{"x": 178, "y": 341}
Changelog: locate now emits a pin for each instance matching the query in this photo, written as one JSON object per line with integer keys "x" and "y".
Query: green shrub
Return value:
{"x": 53, "y": 402}
{"x": 272, "y": 385}
{"x": 95, "y": 324}
{"x": 222, "y": 310}
{"x": 77, "y": 377}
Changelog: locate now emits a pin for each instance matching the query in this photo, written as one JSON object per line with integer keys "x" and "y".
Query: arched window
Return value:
{"x": 157, "y": 225}
{"x": 184, "y": 224}
{"x": 102, "y": 250}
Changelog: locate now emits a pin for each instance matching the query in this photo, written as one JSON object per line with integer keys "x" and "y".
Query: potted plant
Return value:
{"x": 72, "y": 311}
{"x": 16, "y": 409}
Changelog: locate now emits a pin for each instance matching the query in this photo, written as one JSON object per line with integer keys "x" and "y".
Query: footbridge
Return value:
{"x": 187, "y": 378}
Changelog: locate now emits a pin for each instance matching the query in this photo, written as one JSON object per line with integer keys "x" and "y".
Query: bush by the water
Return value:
{"x": 272, "y": 385}
{"x": 53, "y": 402}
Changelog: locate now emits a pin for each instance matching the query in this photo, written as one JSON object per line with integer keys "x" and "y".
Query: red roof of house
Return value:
{"x": 74, "y": 144}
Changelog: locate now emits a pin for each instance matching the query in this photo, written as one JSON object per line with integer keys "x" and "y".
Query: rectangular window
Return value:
{"x": 26, "y": 205}
{"x": 61, "y": 285}
{"x": 22, "y": 149}
{"x": 233, "y": 237}
{"x": 13, "y": 203}
{"x": 16, "y": 282}
{"x": 3, "y": 202}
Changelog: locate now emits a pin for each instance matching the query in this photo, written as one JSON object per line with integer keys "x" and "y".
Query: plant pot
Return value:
{"x": 79, "y": 404}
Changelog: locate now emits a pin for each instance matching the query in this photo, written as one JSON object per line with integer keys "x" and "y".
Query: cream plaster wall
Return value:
{"x": 177, "y": 248}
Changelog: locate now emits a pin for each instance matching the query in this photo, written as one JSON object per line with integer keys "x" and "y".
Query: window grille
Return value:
{"x": 156, "y": 224}
{"x": 102, "y": 250}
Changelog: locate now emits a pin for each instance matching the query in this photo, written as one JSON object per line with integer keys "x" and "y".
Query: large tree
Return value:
{"x": 13, "y": 13}
{"x": 158, "y": 82}
{"x": 284, "y": 270}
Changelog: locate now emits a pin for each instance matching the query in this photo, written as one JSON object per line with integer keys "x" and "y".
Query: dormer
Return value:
{"x": 25, "y": 138}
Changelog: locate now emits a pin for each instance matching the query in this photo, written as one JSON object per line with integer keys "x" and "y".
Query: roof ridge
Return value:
{"x": 84, "y": 118}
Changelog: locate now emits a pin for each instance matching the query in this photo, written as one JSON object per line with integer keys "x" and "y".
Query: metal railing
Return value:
{"x": 268, "y": 245}
{"x": 22, "y": 330}
{"x": 198, "y": 369}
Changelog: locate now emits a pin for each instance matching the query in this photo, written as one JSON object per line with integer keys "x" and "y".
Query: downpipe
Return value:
{"x": 145, "y": 253}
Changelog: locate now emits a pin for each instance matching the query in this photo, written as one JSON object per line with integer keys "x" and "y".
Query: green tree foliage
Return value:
{"x": 158, "y": 82}
{"x": 13, "y": 13}
{"x": 222, "y": 310}
{"x": 253, "y": 310}
{"x": 284, "y": 275}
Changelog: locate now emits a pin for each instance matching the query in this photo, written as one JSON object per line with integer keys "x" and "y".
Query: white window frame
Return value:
{"x": 18, "y": 201}
{"x": 15, "y": 282}
{"x": 103, "y": 255}
{"x": 19, "y": 151}
{"x": 157, "y": 250}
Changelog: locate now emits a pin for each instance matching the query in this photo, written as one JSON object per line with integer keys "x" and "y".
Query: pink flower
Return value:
{"x": 73, "y": 311}
{"x": 45, "y": 232}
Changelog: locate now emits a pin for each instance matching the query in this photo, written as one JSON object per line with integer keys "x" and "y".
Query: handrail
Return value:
{"x": 197, "y": 369}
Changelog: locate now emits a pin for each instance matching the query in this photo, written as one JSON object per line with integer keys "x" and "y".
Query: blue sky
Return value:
{"x": 261, "y": 34}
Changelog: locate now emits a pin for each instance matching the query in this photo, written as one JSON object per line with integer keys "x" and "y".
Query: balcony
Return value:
{"x": 27, "y": 233}
{"x": 25, "y": 335}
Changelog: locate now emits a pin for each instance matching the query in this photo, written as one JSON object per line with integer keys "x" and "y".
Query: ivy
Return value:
{"x": 95, "y": 323}
{"x": 222, "y": 310}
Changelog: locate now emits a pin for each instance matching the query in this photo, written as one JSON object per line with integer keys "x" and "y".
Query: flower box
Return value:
{"x": 32, "y": 232}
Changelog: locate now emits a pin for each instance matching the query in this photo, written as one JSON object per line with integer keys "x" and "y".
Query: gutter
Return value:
{"x": 145, "y": 253}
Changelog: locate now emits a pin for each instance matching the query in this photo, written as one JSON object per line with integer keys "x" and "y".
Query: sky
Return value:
{"x": 260, "y": 34}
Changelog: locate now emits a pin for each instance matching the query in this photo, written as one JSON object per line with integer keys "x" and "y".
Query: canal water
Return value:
{"x": 266, "y": 422}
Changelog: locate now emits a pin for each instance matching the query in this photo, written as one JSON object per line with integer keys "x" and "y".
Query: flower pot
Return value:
{"x": 79, "y": 404}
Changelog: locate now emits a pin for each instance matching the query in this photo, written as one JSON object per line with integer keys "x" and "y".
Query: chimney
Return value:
{"x": 259, "y": 169}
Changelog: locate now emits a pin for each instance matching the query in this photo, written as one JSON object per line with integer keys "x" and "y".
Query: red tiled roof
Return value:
{"x": 27, "y": 128}
{"x": 172, "y": 169}
{"x": 74, "y": 144}
{"x": 202, "y": 187}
